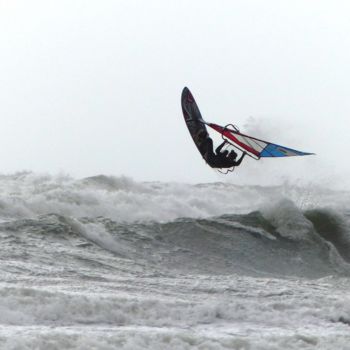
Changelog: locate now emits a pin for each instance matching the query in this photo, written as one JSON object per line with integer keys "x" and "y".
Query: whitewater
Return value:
{"x": 112, "y": 263}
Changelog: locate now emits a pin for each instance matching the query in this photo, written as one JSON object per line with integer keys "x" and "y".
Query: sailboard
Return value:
{"x": 194, "y": 121}
{"x": 252, "y": 146}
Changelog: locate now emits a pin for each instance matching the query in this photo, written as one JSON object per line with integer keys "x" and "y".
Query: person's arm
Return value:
{"x": 219, "y": 148}
{"x": 239, "y": 161}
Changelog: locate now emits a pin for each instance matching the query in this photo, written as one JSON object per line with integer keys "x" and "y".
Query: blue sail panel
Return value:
{"x": 272, "y": 150}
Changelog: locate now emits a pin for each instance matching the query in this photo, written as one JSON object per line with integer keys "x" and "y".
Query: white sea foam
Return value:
{"x": 169, "y": 339}
{"x": 23, "y": 306}
{"x": 273, "y": 313}
{"x": 122, "y": 199}
{"x": 288, "y": 220}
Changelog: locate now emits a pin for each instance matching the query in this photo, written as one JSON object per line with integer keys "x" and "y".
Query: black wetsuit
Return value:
{"x": 218, "y": 159}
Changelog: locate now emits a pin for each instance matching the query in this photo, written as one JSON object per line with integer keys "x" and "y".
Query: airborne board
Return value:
{"x": 193, "y": 119}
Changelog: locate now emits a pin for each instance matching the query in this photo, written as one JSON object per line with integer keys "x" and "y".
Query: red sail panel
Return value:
{"x": 237, "y": 138}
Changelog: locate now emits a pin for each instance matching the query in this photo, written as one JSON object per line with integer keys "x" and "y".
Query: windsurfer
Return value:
{"x": 219, "y": 158}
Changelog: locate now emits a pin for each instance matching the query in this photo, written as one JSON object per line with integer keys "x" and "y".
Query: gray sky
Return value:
{"x": 90, "y": 87}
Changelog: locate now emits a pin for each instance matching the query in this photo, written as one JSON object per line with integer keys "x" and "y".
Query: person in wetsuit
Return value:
{"x": 220, "y": 159}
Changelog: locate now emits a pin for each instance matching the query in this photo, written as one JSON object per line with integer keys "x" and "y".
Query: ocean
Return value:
{"x": 112, "y": 263}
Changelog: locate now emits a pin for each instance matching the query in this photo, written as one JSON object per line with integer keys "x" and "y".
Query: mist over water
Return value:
{"x": 112, "y": 262}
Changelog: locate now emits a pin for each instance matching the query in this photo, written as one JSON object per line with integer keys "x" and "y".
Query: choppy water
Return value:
{"x": 110, "y": 263}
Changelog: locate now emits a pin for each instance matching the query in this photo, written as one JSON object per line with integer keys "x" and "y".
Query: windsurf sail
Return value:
{"x": 254, "y": 147}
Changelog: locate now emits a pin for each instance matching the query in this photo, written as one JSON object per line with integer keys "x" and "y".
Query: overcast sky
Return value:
{"x": 93, "y": 87}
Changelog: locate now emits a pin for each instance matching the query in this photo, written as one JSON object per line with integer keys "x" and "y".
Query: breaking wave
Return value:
{"x": 206, "y": 228}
